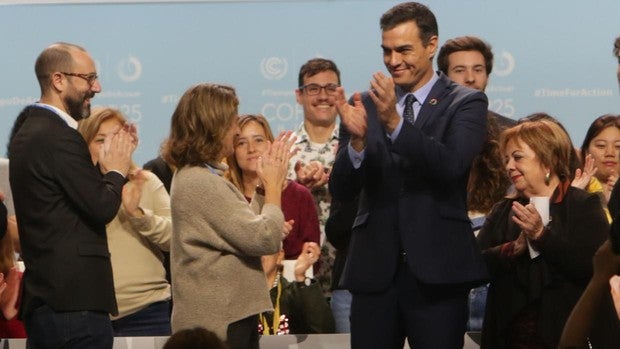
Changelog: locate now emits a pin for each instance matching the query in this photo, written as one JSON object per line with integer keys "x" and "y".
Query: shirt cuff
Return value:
{"x": 119, "y": 172}
{"x": 396, "y": 131}
{"x": 355, "y": 156}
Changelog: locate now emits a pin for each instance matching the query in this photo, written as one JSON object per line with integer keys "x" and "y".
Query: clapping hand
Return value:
{"x": 272, "y": 165}
{"x": 582, "y": 177}
{"x": 132, "y": 193}
{"x": 9, "y": 293}
{"x": 117, "y": 150}
{"x": 383, "y": 94}
{"x": 353, "y": 117}
{"x": 310, "y": 253}
{"x": 288, "y": 227}
{"x": 312, "y": 175}
{"x": 529, "y": 220}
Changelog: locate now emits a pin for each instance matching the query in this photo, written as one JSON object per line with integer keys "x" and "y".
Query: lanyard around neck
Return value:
{"x": 276, "y": 312}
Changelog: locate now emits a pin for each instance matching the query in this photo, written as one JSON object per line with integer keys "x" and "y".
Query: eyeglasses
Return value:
{"x": 315, "y": 89}
{"x": 90, "y": 78}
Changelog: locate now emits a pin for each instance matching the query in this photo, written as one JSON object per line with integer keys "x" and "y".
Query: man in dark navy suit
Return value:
{"x": 406, "y": 147}
{"x": 63, "y": 203}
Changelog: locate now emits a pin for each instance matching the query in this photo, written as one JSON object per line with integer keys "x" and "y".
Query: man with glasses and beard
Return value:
{"x": 63, "y": 203}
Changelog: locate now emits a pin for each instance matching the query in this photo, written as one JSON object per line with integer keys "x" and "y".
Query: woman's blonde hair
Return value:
{"x": 199, "y": 123}
{"x": 548, "y": 141}
{"x": 89, "y": 127}
{"x": 7, "y": 254}
{"x": 234, "y": 173}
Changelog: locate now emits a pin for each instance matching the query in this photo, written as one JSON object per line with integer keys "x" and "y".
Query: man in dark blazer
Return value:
{"x": 63, "y": 203}
{"x": 412, "y": 255}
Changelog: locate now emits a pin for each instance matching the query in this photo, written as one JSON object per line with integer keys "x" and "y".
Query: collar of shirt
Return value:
{"x": 217, "y": 169}
{"x": 420, "y": 95}
{"x": 303, "y": 137}
{"x": 62, "y": 114}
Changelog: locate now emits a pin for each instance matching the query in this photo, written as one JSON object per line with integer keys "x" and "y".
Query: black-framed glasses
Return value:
{"x": 315, "y": 89}
{"x": 90, "y": 78}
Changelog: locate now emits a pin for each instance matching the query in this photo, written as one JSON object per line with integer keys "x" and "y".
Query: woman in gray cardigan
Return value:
{"x": 218, "y": 238}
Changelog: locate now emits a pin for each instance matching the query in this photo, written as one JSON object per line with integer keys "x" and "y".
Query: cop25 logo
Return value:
{"x": 273, "y": 68}
{"x": 129, "y": 69}
{"x": 505, "y": 65}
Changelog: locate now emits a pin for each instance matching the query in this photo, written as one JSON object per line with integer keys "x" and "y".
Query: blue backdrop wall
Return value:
{"x": 553, "y": 56}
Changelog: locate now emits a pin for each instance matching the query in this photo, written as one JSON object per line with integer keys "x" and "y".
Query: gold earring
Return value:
{"x": 547, "y": 178}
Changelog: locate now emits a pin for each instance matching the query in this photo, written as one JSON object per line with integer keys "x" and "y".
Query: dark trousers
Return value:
{"x": 429, "y": 316}
{"x": 47, "y": 328}
{"x": 243, "y": 334}
{"x": 153, "y": 320}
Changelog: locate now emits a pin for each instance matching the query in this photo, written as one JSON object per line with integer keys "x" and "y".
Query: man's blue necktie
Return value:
{"x": 408, "y": 113}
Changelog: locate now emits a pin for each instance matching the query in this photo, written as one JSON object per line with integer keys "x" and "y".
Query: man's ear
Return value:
{"x": 58, "y": 81}
{"x": 298, "y": 93}
{"x": 431, "y": 46}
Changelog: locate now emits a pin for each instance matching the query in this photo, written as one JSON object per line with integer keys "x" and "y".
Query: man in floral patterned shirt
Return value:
{"x": 317, "y": 140}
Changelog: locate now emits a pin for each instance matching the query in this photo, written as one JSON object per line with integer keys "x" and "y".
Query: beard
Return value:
{"x": 76, "y": 107}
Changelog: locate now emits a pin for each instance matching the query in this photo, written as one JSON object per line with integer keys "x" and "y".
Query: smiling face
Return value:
{"x": 605, "y": 149}
{"x": 250, "y": 144}
{"x": 319, "y": 109}
{"x": 524, "y": 169}
{"x": 406, "y": 58}
{"x": 468, "y": 68}
{"x": 76, "y": 98}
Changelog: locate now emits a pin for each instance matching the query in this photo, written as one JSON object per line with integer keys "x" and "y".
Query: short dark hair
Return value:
{"x": 315, "y": 66}
{"x": 411, "y": 11}
{"x": 617, "y": 48}
{"x": 464, "y": 43}
{"x": 54, "y": 58}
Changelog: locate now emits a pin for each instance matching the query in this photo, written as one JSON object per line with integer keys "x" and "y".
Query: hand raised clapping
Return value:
{"x": 529, "y": 220}
{"x": 310, "y": 254}
{"x": 117, "y": 150}
{"x": 272, "y": 165}
{"x": 312, "y": 175}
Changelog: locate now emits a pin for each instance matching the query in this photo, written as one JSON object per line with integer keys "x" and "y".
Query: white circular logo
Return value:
{"x": 505, "y": 65}
{"x": 130, "y": 69}
{"x": 273, "y": 68}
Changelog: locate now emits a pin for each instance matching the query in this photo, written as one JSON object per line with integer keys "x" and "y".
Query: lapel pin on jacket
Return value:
{"x": 433, "y": 101}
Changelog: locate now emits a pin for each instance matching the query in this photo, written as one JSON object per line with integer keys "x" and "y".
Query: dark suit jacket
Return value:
{"x": 162, "y": 170}
{"x": 62, "y": 204}
{"x": 338, "y": 233}
{"x": 413, "y": 193}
